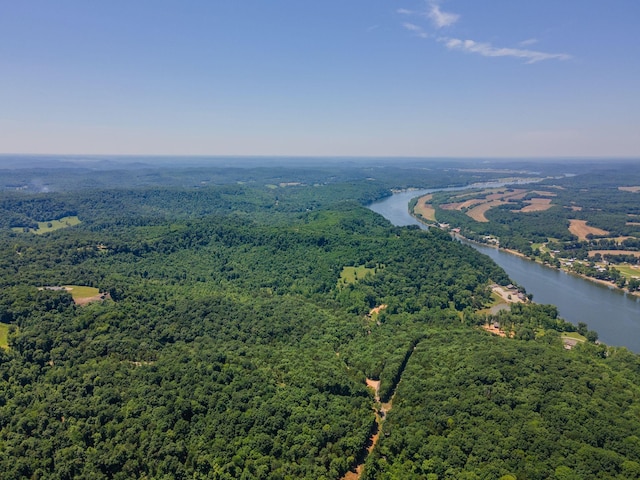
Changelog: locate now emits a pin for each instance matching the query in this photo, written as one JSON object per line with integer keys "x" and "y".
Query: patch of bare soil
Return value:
{"x": 635, "y": 189}
{"x": 509, "y": 296}
{"x": 495, "y": 330}
{"x": 377, "y": 309}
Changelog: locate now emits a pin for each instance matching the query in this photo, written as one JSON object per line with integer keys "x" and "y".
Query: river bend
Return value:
{"x": 615, "y": 315}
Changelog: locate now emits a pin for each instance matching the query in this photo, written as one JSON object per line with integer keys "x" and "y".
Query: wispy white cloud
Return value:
{"x": 487, "y": 50}
{"x": 528, "y": 42}
{"x": 439, "y": 18}
{"x": 412, "y": 27}
{"x": 418, "y": 30}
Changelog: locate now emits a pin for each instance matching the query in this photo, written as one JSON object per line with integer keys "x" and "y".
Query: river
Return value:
{"x": 614, "y": 314}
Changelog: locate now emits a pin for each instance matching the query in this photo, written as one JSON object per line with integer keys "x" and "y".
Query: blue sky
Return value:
{"x": 527, "y": 78}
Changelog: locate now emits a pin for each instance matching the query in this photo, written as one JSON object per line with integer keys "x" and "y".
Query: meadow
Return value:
{"x": 50, "y": 225}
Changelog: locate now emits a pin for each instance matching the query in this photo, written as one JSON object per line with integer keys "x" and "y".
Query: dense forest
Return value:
{"x": 228, "y": 342}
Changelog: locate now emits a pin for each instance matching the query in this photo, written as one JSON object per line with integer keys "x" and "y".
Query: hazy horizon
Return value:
{"x": 416, "y": 79}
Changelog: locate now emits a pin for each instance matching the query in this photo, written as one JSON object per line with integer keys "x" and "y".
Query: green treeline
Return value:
{"x": 229, "y": 349}
{"x": 472, "y": 406}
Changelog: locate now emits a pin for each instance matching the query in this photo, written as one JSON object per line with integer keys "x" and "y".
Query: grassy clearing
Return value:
{"x": 574, "y": 336}
{"x": 79, "y": 292}
{"x": 540, "y": 246}
{"x": 50, "y": 226}
{"x": 495, "y": 301}
{"x": 353, "y": 274}
{"x": 4, "y": 332}
{"x": 628, "y": 271}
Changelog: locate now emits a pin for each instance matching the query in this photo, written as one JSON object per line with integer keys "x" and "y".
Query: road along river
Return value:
{"x": 614, "y": 314}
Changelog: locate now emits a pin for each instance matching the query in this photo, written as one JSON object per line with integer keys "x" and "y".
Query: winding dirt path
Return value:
{"x": 381, "y": 414}
{"x": 356, "y": 472}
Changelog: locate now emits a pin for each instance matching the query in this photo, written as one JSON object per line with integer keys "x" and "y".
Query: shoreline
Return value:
{"x": 606, "y": 283}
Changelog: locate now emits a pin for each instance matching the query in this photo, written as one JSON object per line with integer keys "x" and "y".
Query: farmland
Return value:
{"x": 557, "y": 219}
{"x": 581, "y": 230}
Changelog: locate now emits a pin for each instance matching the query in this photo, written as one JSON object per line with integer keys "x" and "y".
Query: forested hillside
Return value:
{"x": 229, "y": 343}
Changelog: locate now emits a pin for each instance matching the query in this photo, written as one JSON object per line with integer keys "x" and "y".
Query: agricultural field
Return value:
{"x": 425, "y": 209}
{"x": 537, "y": 205}
{"x": 575, "y": 217}
{"x": 482, "y": 201}
{"x": 581, "y": 230}
{"x": 478, "y": 212}
{"x": 634, "y": 189}
{"x": 50, "y": 226}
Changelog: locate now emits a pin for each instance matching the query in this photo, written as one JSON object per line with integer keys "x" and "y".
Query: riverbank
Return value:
{"x": 459, "y": 236}
{"x": 608, "y": 311}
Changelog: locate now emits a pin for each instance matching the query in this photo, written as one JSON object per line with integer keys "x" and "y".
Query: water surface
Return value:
{"x": 613, "y": 314}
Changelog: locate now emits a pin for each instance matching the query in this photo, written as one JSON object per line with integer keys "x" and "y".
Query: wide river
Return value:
{"x": 612, "y": 313}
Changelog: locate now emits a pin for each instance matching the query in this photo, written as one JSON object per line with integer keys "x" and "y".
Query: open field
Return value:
{"x": 353, "y": 274}
{"x": 490, "y": 198}
{"x": 580, "y": 229}
{"x": 484, "y": 192}
{"x": 469, "y": 203}
{"x": 537, "y": 205}
{"x": 516, "y": 194}
{"x": 477, "y": 213}
{"x": 629, "y": 271}
{"x": 50, "y": 226}
{"x": 79, "y": 292}
{"x": 425, "y": 209}
{"x": 571, "y": 339}
{"x": 575, "y": 336}
{"x": 83, "y": 295}
{"x": 4, "y": 331}
{"x": 635, "y": 189}
{"x": 544, "y": 193}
